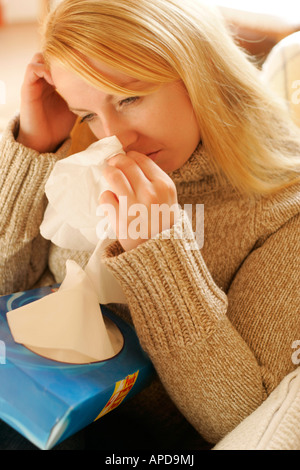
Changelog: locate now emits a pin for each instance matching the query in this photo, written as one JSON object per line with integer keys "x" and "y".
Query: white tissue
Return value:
{"x": 70, "y": 221}
{"x": 73, "y": 190}
{"x": 67, "y": 325}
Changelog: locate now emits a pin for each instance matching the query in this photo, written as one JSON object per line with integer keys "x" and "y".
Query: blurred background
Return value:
{"x": 257, "y": 25}
{"x": 19, "y": 40}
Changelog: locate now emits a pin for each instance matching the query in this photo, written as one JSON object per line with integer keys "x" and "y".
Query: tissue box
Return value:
{"x": 47, "y": 401}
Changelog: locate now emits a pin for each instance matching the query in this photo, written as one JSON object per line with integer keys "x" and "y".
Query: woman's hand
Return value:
{"x": 143, "y": 198}
{"x": 45, "y": 119}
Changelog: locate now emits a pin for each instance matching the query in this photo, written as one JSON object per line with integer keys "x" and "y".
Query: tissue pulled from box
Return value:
{"x": 67, "y": 325}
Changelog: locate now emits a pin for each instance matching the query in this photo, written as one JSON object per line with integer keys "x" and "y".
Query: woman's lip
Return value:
{"x": 153, "y": 155}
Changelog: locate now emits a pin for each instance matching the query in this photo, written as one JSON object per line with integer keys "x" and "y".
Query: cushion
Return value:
{"x": 281, "y": 72}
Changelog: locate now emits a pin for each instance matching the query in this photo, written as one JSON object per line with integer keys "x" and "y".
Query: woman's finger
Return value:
{"x": 131, "y": 170}
{"x": 38, "y": 58}
{"x": 35, "y": 72}
{"x": 150, "y": 169}
{"x": 118, "y": 181}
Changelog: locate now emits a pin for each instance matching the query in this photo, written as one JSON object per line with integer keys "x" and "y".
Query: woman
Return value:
{"x": 198, "y": 127}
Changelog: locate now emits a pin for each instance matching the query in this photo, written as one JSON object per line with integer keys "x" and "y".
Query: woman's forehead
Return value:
{"x": 70, "y": 84}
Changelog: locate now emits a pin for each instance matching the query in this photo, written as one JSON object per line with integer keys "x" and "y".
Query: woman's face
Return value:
{"x": 161, "y": 125}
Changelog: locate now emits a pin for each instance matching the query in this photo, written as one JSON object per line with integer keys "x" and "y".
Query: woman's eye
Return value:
{"x": 121, "y": 104}
{"x": 88, "y": 117}
{"x": 127, "y": 101}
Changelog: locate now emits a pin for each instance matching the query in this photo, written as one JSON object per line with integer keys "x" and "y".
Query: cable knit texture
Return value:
{"x": 218, "y": 320}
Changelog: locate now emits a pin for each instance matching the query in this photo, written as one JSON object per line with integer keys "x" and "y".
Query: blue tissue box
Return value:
{"x": 47, "y": 401}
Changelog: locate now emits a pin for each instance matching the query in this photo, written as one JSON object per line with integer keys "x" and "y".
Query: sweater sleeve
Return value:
{"x": 23, "y": 174}
{"x": 185, "y": 323}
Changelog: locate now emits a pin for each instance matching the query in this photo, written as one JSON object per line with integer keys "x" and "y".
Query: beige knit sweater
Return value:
{"x": 217, "y": 322}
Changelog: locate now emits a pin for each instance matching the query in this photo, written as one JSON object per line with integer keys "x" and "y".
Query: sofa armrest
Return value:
{"x": 275, "y": 425}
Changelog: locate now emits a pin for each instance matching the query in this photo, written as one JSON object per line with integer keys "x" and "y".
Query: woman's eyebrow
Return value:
{"x": 81, "y": 110}
{"x": 77, "y": 110}
{"x": 108, "y": 97}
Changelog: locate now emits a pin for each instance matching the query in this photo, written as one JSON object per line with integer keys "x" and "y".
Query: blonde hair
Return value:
{"x": 245, "y": 130}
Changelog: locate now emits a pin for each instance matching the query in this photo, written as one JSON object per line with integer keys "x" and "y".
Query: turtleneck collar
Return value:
{"x": 198, "y": 167}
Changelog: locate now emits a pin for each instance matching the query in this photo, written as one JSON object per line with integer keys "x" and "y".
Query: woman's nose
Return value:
{"x": 113, "y": 125}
